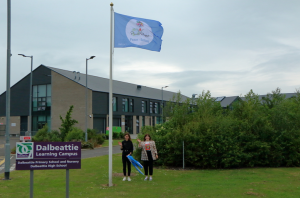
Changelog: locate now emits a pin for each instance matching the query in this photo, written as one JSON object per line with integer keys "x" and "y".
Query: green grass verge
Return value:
{"x": 91, "y": 180}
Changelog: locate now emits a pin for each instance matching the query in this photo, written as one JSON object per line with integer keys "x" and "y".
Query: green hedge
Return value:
{"x": 251, "y": 133}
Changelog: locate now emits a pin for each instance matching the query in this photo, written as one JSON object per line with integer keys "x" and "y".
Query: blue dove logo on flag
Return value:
{"x": 137, "y": 32}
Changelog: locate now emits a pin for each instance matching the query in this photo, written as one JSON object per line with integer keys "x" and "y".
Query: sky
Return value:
{"x": 225, "y": 46}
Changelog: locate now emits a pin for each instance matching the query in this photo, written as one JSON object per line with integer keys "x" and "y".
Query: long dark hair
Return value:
{"x": 147, "y": 135}
{"x": 128, "y": 136}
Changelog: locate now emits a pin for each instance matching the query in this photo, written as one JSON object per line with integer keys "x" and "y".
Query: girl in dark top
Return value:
{"x": 127, "y": 148}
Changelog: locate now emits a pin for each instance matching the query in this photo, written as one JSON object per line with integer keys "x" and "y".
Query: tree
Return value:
{"x": 67, "y": 123}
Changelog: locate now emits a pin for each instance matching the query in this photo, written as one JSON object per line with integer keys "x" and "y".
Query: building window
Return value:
{"x": 143, "y": 121}
{"x": 40, "y": 121}
{"x": 115, "y": 107}
{"x": 158, "y": 120}
{"x": 144, "y": 106}
{"x": 131, "y": 105}
{"x": 155, "y": 107}
{"x": 41, "y": 99}
{"x": 125, "y": 104}
{"x": 41, "y": 104}
{"x": 151, "y": 107}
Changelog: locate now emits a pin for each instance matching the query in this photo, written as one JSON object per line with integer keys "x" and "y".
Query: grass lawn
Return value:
{"x": 91, "y": 180}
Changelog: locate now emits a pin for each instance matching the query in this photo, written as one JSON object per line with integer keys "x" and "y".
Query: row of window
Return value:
{"x": 41, "y": 97}
{"x": 128, "y": 105}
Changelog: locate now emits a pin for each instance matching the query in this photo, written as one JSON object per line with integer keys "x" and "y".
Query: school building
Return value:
{"x": 55, "y": 90}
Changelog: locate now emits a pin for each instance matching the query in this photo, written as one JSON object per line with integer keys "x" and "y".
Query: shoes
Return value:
{"x": 128, "y": 179}
{"x": 124, "y": 179}
{"x": 145, "y": 178}
{"x": 150, "y": 179}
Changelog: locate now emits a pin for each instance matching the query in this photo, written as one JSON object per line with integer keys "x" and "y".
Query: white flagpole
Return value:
{"x": 110, "y": 98}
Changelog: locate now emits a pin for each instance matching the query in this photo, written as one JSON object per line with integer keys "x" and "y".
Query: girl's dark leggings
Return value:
{"x": 125, "y": 161}
{"x": 148, "y": 164}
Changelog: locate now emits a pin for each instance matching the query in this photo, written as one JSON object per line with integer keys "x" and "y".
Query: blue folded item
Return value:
{"x": 135, "y": 163}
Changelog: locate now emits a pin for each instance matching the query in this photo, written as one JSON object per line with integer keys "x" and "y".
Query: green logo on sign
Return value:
{"x": 24, "y": 150}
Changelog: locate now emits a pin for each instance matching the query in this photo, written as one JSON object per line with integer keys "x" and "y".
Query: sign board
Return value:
{"x": 24, "y": 138}
{"x": 13, "y": 124}
{"x": 48, "y": 155}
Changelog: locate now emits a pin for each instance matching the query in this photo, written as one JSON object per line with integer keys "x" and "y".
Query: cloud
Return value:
{"x": 227, "y": 47}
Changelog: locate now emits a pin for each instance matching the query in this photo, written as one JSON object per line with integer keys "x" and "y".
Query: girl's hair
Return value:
{"x": 147, "y": 135}
{"x": 128, "y": 136}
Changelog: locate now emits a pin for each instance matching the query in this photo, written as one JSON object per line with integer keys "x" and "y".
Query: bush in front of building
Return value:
{"x": 254, "y": 133}
{"x": 13, "y": 150}
{"x": 121, "y": 135}
{"x": 92, "y": 133}
{"x": 54, "y": 136}
{"x": 100, "y": 139}
{"x": 67, "y": 123}
{"x": 115, "y": 135}
{"x": 44, "y": 136}
{"x": 75, "y": 135}
{"x": 87, "y": 145}
{"x": 41, "y": 135}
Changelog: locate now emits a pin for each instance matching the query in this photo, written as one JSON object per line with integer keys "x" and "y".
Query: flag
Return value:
{"x": 135, "y": 163}
{"x": 137, "y": 32}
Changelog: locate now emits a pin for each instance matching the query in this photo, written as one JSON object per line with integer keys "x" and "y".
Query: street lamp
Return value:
{"x": 162, "y": 104}
{"x": 30, "y": 119}
{"x": 86, "y": 95}
{"x": 7, "y": 109}
{"x": 30, "y": 95}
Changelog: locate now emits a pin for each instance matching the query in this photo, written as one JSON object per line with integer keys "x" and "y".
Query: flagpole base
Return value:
{"x": 6, "y": 176}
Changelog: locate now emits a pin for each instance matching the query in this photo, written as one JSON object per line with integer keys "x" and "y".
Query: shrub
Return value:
{"x": 92, "y": 133}
{"x": 100, "y": 139}
{"x": 115, "y": 135}
{"x": 13, "y": 150}
{"x": 103, "y": 135}
{"x": 252, "y": 132}
{"x": 44, "y": 136}
{"x": 87, "y": 145}
{"x": 67, "y": 123}
{"x": 54, "y": 136}
{"x": 121, "y": 135}
{"x": 41, "y": 135}
{"x": 93, "y": 142}
{"x": 75, "y": 134}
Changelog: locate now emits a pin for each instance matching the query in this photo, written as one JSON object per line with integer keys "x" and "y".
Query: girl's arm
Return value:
{"x": 121, "y": 145}
{"x": 154, "y": 148}
{"x": 131, "y": 149}
{"x": 140, "y": 143}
